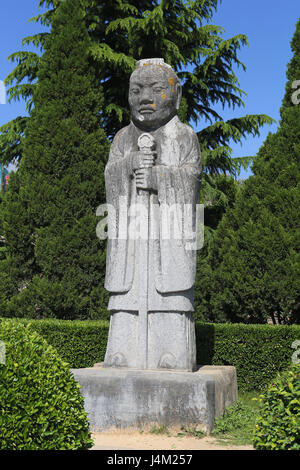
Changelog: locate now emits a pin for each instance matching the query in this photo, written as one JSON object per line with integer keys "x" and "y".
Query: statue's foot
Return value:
{"x": 167, "y": 361}
{"x": 117, "y": 360}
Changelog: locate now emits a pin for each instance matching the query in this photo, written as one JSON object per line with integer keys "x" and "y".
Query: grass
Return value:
{"x": 237, "y": 425}
{"x": 191, "y": 432}
{"x": 160, "y": 430}
{"x": 234, "y": 428}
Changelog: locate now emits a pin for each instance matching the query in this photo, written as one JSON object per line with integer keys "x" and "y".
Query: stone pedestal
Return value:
{"x": 125, "y": 398}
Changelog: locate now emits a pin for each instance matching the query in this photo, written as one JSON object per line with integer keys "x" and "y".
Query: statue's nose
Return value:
{"x": 146, "y": 96}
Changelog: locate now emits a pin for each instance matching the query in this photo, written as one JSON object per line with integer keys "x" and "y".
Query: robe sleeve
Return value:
{"x": 118, "y": 171}
{"x": 120, "y": 249}
{"x": 178, "y": 193}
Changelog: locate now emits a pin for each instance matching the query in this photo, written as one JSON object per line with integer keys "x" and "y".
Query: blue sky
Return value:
{"x": 269, "y": 25}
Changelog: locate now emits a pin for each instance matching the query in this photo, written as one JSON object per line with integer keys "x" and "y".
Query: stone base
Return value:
{"x": 141, "y": 399}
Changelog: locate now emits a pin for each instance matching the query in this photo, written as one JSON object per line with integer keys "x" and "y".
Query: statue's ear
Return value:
{"x": 178, "y": 95}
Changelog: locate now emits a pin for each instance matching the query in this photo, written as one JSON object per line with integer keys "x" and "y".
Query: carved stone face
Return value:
{"x": 154, "y": 96}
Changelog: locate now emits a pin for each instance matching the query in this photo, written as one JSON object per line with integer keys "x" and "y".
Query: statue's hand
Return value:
{"x": 143, "y": 160}
{"x": 144, "y": 178}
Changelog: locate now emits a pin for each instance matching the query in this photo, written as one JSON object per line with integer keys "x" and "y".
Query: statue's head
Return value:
{"x": 154, "y": 94}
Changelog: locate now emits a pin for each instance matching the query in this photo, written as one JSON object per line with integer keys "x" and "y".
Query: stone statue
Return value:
{"x": 152, "y": 185}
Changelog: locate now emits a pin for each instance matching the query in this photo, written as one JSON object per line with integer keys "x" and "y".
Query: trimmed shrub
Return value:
{"x": 80, "y": 343}
{"x": 258, "y": 352}
{"x": 278, "y": 423}
{"x": 41, "y": 407}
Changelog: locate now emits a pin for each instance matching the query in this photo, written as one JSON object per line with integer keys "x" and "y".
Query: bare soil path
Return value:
{"x": 148, "y": 441}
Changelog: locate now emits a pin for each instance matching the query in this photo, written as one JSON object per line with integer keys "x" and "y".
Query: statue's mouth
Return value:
{"x": 146, "y": 111}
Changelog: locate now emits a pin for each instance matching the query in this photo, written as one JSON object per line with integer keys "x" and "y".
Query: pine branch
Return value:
{"x": 103, "y": 52}
{"x": 220, "y": 133}
{"x": 11, "y": 136}
{"x": 22, "y": 92}
{"x": 38, "y": 40}
{"x": 26, "y": 69}
{"x": 244, "y": 163}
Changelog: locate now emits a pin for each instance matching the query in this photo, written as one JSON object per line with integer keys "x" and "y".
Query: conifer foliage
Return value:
{"x": 181, "y": 32}
{"x": 55, "y": 264}
{"x": 49, "y": 218}
{"x": 254, "y": 267}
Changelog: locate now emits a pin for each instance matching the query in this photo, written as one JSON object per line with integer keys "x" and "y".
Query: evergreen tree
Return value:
{"x": 117, "y": 34}
{"x": 255, "y": 262}
{"x": 181, "y": 32}
{"x": 55, "y": 264}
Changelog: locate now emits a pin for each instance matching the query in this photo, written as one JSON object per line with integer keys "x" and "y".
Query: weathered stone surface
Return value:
{"x": 170, "y": 341}
{"x": 121, "y": 398}
{"x": 154, "y": 169}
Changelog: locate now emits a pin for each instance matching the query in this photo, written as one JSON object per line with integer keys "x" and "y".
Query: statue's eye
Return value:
{"x": 157, "y": 89}
{"x": 135, "y": 91}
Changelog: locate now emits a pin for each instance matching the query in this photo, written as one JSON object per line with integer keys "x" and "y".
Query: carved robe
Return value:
{"x": 172, "y": 262}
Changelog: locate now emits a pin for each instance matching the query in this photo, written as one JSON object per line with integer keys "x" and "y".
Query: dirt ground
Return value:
{"x": 149, "y": 441}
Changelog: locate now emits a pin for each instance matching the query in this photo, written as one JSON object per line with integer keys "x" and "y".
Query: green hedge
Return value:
{"x": 41, "y": 407}
{"x": 80, "y": 343}
{"x": 257, "y": 351}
